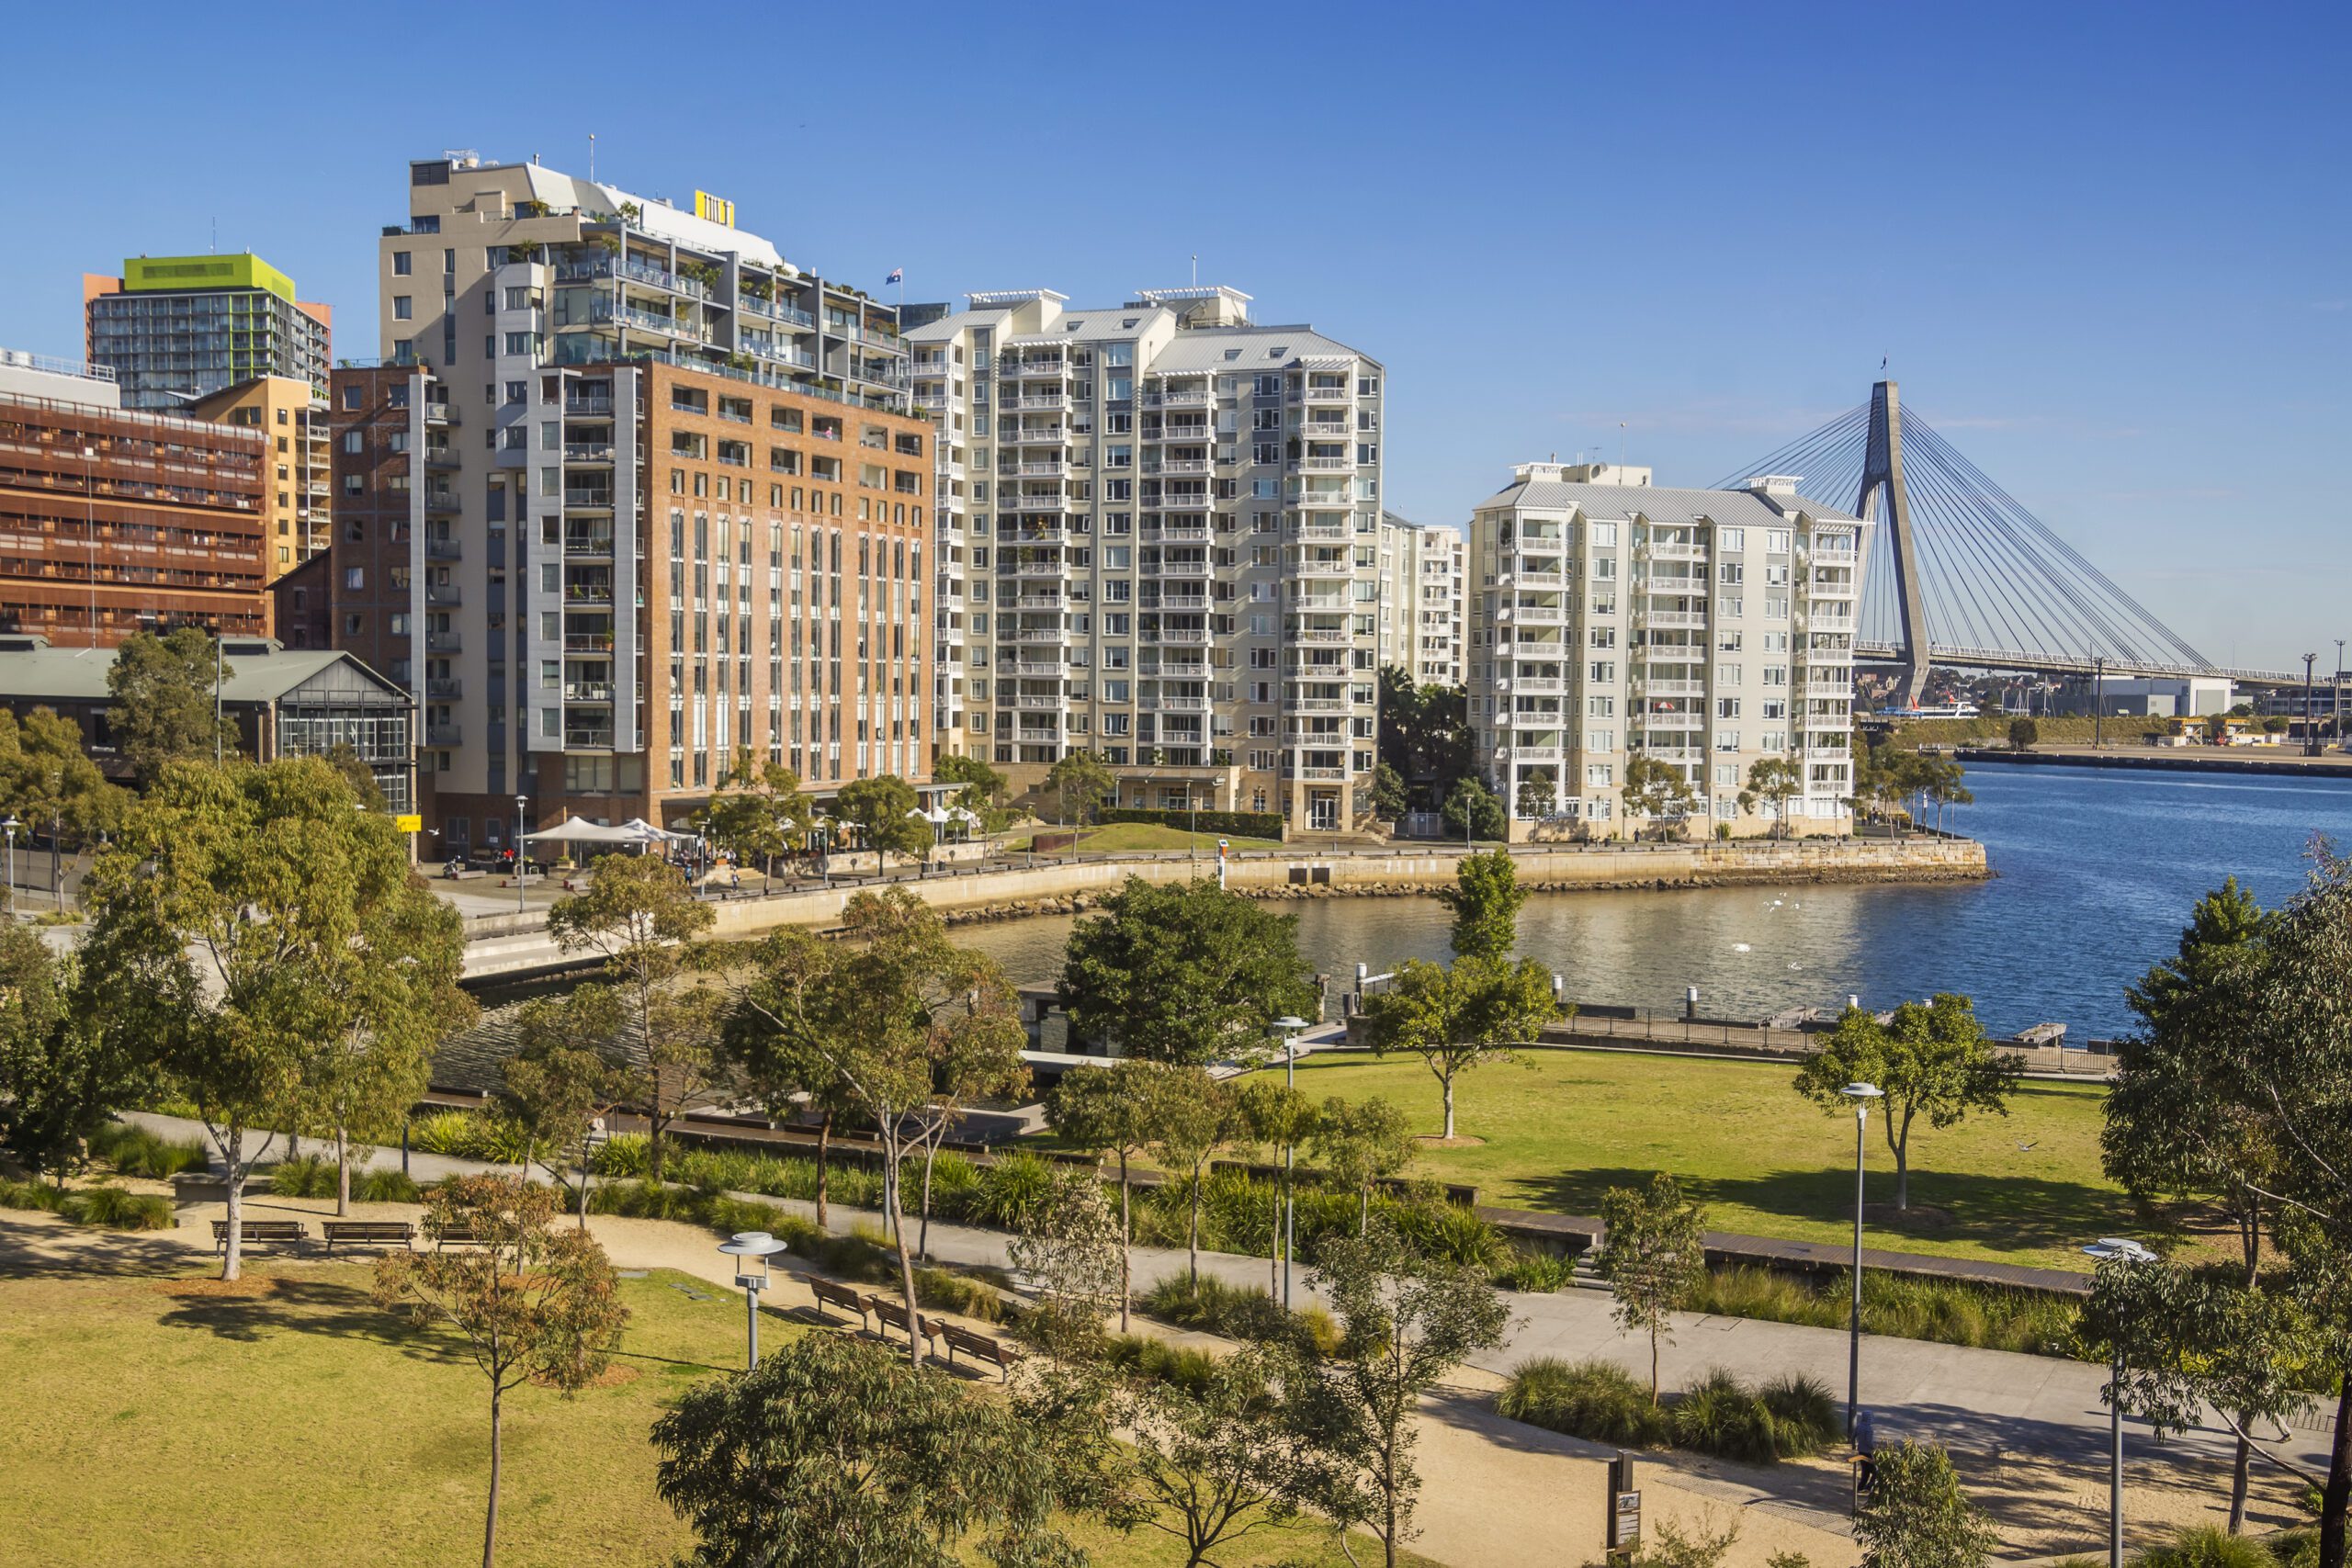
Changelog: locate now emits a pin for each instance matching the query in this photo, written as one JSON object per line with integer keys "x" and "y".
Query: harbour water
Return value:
{"x": 2095, "y": 875}
{"x": 2095, "y": 872}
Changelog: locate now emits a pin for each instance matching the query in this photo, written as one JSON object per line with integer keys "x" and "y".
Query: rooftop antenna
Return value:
{"x": 591, "y": 157}
{"x": 1196, "y": 269}
{"x": 1620, "y": 443}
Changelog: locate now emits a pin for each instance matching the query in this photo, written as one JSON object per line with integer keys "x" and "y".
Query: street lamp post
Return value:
{"x": 1290, "y": 1024}
{"x": 2311, "y": 709}
{"x": 9, "y": 828}
{"x": 2335, "y": 706}
{"x": 521, "y": 801}
{"x": 2123, "y": 1250}
{"x": 1861, "y": 1094}
{"x": 752, "y": 1248}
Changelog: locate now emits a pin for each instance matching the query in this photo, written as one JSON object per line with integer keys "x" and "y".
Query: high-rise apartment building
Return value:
{"x": 1421, "y": 600}
{"x": 1158, "y": 540}
{"x": 114, "y": 521}
{"x": 297, "y": 469}
{"x": 174, "y": 329}
{"x": 669, "y": 507}
{"x": 1704, "y": 629}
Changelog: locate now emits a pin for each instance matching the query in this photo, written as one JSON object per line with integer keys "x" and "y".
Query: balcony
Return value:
{"x": 1322, "y": 528}
{"x": 1345, "y": 393}
{"x": 1533, "y": 686}
{"x": 437, "y": 412}
{"x": 1322, "y": 633}
{"x": 1043, "y": 469}
{"x": 1320, "y": 776}
{"x": 588, "y": 405}
{"x": 1324, "y": 465}
{"x": 588, "y": 691}
{"x": 442, "y": 550}
{"x": 593, "y": 498}
{"x": 1051, "y": 703}
{"x": 445, "y": 688}
{"x": 1533, "y": 614}
{"x": 1038, "y": 634}
{"x": 1038, "y": 569}
{"x": 1315, "y": 705}
{"x": 442, "y": 642}
{"x": 588, "y": 642}
{"x": 1180, "y": 398}
{"x": 1188, "y": 529}
{"x": 1672, "y": 688}
{"x": 1179, "y": 466}
{"x": 1038, "y": 402}
{"x": 440, "y": 500}
{"x": 793, "y": 315}
{"x": 587, "y": 740}
{"x": 1026, "y": 369}
{"x": 1322, "y": 500}
{"x": 588, "y": 452}
{"x": 443, "y": 596}
{"x": 1678, "y": 552}
{"x": 1183, "y": 434}
{"x": 448, "y": 734}
{"x": 1669, "y": 619}
{"x": 440, "y": 455}
{"x": 1033, "y": 435}
{"x": 1037, "y": 666}
{"x": 587, "y": 542}
{"x": 1184, "y": 634}
{"x": 1181, "y": 568}
{"x": 1534, "y": 753}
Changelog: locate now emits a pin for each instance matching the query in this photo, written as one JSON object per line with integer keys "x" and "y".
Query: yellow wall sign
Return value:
{"x": 715, "y": 209}
{"x": 409, "y": 822}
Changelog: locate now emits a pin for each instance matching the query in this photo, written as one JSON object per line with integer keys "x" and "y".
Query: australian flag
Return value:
{"x": 897, "y": 275}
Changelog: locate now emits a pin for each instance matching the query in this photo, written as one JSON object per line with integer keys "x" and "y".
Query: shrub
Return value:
{"x": 1722, "y": 1416}
{"x": 1599, "y": 1401}
{"x": 1450, "y": 1234}
{"x": 1539, "y": 1272}
{"x": 117, "y": 1209}
{"x": 1232, "y": 824}
{"x": 623, "y": 1155}
{"x": 135, "y": 1151}
{"x": 1805, "y": 1419}
{"x": 954, "y": 1292}
{"x": 32, "y": 1195}
{"x": 308, "y": 1177}
{"x": 2206, "y": 1546}
{"x": 1009, "y": 1191}
{"x": 1949, "y": 1312}
{"x": 1149, "y": 1357}
{"x": 384, "y": 1186}
{"x": 454, "y": 1134}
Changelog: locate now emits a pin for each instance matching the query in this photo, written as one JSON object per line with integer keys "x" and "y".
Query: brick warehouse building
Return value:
{"x": 113, "y": 522}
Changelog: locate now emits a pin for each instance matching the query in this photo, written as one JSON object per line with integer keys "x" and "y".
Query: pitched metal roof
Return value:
{"x": 31, "y": 672}
{"x": 1659, "y": 503}
{"x": 1253, "y": 348}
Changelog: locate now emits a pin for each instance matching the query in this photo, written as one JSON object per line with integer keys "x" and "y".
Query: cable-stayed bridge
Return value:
{"x": 1962, "y": 574}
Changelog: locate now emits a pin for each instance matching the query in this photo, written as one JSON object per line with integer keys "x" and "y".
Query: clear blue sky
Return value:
{"x": 2104, "y": 246}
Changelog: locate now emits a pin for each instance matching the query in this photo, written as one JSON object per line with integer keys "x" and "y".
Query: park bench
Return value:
{"x": 842, "y": 1296}
{"x": 260, "y": 1233}
{"x": 893, "y": 1315}
{"x": 367, "y": 1232}
{"x": 979, "y": 1347}
{"x": 457, "y": 1235}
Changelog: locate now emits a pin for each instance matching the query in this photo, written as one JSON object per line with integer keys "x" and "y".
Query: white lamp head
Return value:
{"x": 1863, "y": 1091}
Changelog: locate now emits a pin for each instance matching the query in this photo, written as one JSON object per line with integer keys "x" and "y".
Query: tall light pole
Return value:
{"x": 751, "y": 1247}
{"x": 521, "y": 801}
{"x": 9, "y": 828}
{"x": 2098, "y": 702}
{"x": 2311, "y": 709}
{"x": 1861, "y": 1094}
{"x": 2127, "y": 1252}
{"x": 1290, "y": 1025}
{"x": 2336, "y": 710}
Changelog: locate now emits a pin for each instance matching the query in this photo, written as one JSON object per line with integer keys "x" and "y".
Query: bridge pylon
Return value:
{"x": 1882, "y": 471}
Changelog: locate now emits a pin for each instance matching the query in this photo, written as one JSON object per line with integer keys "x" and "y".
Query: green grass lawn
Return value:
{"x": 1569, "y": 1124}
{"x": 1150, "y": 838}
{"x": 304, "y": 1426}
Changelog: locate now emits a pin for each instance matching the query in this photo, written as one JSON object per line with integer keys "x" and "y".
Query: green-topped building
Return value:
{"x": 174, "y": 329}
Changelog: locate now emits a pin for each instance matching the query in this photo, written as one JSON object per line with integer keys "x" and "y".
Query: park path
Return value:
{"x": 2030, "y": 1428}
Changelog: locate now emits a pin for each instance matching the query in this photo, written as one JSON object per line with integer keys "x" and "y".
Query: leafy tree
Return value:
{"x": 1070, "y": 1244}
{"x": 532, "y": 1303}
{"x": 1361, "y": 1146}
{"x": 1664, "y": 1546}
{"x": 1404, "y": 1322}
{"x": 1917, "y": 1516}
{"x": 886, "y": 812}
{"x": 568, "y": 1071}
{"x": 1536, "y": 795}
{"x": 1933, "y": 1059}
{"x": 1279, "y": 1117}
{"x": 1456, "y": 1019}
{"x": 2193, "y": 1338}
{"x": 1424, "y": 732}
{"x": 1472, "y": 810}
{"x": 1654, "y": 1256}
{"x": 1657, "y": 791}
{"x": 164, "y": 699}
{"x": 1184, "y": 974}
{"x": 1197, "y": 1115}
{"x": 61, "y": 1079}
{"x": 764, "y": 813}
{"x": 885, "y": 1016}
{"x": 1388, "y": 801}
{"x": 244, "y": 916}
{"x": 1940, "y": 785}
{"x": 985, "y": 790}
{"x": 2024, "y": 733}
{"x": 1113, "y": 1109}
{"x": 361, "y": 1080}
{"x": 1485, "y": 900}
{"x": 1217, "y": 1457}
{"x": 641, "y": 917}
{"x": 1081, "y": 784}
{"x": 1772, "y": 782}
{"x": 46, "y": 778}
{"x": 830, "y": 1454}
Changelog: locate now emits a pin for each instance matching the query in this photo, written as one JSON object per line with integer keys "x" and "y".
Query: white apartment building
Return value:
{"x": 1158, "y": 532}
{"x": 672, "y": 512}
{"x": 1421, "y": 600}
{"x": 1704, "y": 629}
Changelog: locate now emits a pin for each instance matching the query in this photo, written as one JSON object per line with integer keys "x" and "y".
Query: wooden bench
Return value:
{"x": 979, "y": 1347}
{"x": 893, "y": 1315}
{"x": 842, "y": 1296}
{"x": 369, "y": 1233}
{"x": 260, "y": 1233}
{"x": 457, "y": 1235}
